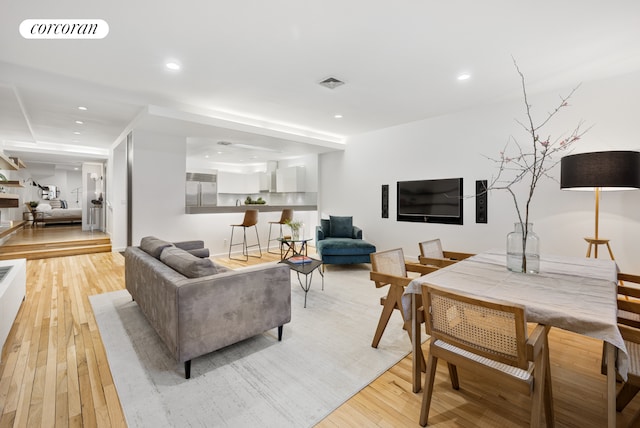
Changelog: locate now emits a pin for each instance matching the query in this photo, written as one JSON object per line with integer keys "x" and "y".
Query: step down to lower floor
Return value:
{"x": 15, "y": 252}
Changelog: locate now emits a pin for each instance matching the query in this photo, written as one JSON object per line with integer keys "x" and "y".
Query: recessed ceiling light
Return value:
{"x": 206, "y": 156}
{"x": 77, "y": 133}
{"x": 464, "y": 76}
{"x": 79, "y": 122}
{"x": 173, "y": 66}
{"x": 337, "y": 116}
{"x": 82, "y": 108}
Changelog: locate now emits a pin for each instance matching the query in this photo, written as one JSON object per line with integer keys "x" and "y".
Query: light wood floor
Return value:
{"x": 54, "y": 369}
{"x": 53, "y": 233}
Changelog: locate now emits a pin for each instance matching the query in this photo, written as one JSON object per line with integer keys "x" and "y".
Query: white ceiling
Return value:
{"x": 250, "y": 69}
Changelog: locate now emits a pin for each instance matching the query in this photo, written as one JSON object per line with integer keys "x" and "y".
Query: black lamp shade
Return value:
{"x": 613, "y": 170}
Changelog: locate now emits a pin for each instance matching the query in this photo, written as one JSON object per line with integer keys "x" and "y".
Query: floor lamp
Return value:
{"x": 600, "y": 171}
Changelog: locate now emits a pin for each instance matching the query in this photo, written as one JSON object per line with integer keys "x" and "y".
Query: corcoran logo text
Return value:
{"x": 64, "y": 29}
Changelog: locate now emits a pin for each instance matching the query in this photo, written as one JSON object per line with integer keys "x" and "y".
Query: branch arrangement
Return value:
{"x": 517, "y": 164}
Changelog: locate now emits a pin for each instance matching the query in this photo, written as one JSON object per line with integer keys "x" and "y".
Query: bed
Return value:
{"x": 57, "y": 211}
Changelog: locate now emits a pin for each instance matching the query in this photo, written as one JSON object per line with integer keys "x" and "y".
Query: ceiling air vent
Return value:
{"x": 224, "y": 143}
{"x": 331, "y": 82}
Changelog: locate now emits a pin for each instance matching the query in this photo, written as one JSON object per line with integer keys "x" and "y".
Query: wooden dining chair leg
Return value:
{"x": 416, "y": 345}
{"x": 453, "y": 375}
{"x": 427, "y": 391}
{"x": 635, "y": 421}
{"x": 387, "y": 310}
{"x": 423, "y": 364}
{"x": 548, "y": 391}
{"x": 625, "y": 395}
{"x": 539, "y": 389}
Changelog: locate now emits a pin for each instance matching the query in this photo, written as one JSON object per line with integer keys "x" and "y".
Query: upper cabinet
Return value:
{"x": 291, "y": 179}
{"x": 264, "y": 179}
{"x": 238, "y": 183}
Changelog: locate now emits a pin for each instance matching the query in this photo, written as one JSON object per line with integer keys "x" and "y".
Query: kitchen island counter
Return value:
{"x": 242, "y": 208}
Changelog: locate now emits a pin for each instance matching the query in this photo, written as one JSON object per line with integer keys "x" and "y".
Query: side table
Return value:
{"x": 305, "y": 268}
{"x": 293, "y": 247}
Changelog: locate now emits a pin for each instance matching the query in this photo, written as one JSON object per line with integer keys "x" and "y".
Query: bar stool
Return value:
{"x": 287, "y": 215}
{"x": 250, "y": 219}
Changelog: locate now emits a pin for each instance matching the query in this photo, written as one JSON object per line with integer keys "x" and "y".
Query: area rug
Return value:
{"x": 325, "y": 357}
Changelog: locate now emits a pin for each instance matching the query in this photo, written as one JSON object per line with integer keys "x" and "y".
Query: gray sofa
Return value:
{"x": 196, "y": 306}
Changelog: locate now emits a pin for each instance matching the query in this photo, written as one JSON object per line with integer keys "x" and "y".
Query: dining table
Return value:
{"x": 572, "y": 293}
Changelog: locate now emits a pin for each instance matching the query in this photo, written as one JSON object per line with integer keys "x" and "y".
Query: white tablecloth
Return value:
{"x": 575, "y": 294}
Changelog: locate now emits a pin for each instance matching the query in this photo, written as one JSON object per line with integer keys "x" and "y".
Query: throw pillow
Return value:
{"x": 55, "y": 203}
{"x": 199, "y": 252}
{"x": 43, "y": 207}
{"x": 187, "y": 264}
{"x": 341, "y": 227}
{"x": 325, "y": 224}
{"x": 153, "y": 246}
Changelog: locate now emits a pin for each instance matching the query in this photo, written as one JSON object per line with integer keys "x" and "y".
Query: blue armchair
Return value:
{"x": 338, "y": 241}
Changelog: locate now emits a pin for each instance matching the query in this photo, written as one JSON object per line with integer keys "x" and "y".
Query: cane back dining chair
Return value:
{"x": 432, "y": 254}
{"x": 389, "y": 268}
{"x": 250, "y": 220}
{"x": 629, "y": 326}
{"x": 490, "y": 338}
{"x": 285, "y": 216}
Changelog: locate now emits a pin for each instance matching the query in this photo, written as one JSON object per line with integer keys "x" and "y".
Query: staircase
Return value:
{"x": 43, "y": 250}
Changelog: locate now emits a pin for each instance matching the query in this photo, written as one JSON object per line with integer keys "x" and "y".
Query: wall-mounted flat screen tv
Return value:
{"x": 430, "y": 201}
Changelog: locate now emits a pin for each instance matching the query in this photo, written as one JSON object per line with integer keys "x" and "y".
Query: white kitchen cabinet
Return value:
{"x": 238, "y": 183}
{"x": 291, "y": 179}
{"x": 265, "y": 181}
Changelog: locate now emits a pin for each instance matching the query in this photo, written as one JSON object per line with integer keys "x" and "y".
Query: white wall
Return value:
{"x": 159, "y": 168}
{"x": 456, "y": 145}
{"x": 116, "y": 197}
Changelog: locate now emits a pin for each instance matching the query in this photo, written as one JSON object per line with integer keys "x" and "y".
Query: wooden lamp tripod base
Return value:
{"x": 595, "y": 242}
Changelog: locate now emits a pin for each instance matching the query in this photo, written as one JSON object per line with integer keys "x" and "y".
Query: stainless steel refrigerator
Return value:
{"x": 201, "y": 190}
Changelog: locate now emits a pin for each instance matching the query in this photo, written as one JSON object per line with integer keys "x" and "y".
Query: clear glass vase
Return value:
{"x": 523, "y": 254}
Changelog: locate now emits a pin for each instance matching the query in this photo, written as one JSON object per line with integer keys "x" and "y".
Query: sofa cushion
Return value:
{"x": 341, "y": 227}
{"x": 199, "y": 252}
{"x": 189, "y": 245}
{"x": 187, "y": 264}
{"x": 153, "y": 246}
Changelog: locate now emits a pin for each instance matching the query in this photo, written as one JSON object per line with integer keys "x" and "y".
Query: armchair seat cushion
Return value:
{"x": 344, "y": 247}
